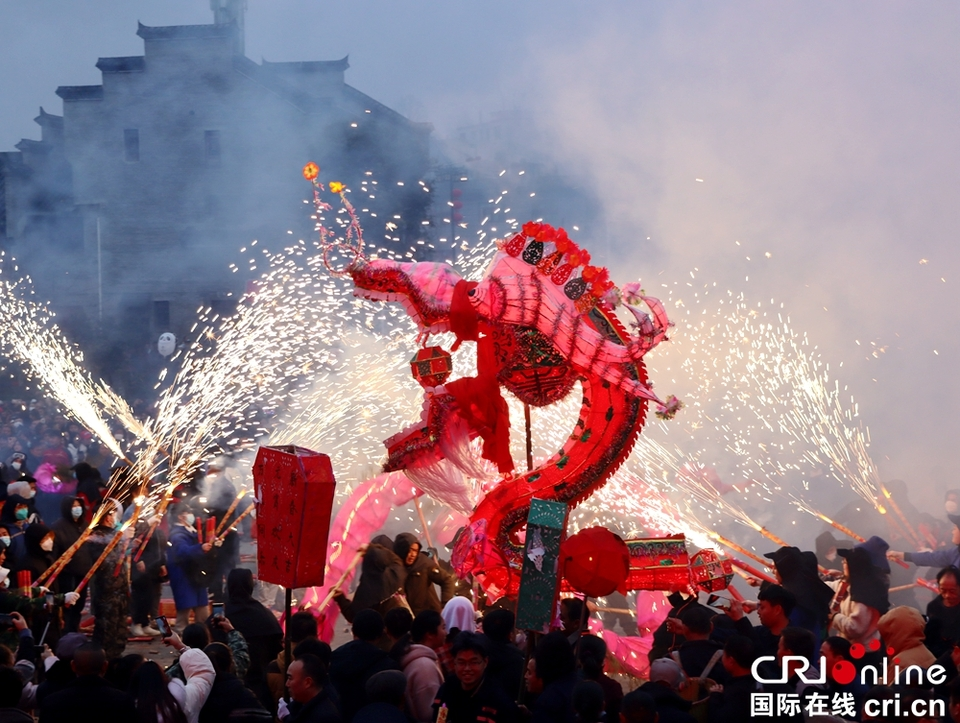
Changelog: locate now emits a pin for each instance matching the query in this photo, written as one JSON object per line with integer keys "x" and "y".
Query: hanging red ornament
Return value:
{"x": 515, "y": 245}
{"x": 431, "y": 366}
{"x": 595, "y": 561}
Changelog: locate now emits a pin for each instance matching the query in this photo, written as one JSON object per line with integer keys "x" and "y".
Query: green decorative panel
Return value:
{"x": 540, "y": 577}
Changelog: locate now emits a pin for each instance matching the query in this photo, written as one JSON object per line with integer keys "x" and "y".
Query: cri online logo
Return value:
{"x": 843, "y": 671}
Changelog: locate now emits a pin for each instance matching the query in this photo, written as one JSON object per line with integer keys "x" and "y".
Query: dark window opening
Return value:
{"x": 161, "y": 315}
{"x": 211, "y": 140}
{"x": 223, "y": 307}
{"x": 131, "y": 144}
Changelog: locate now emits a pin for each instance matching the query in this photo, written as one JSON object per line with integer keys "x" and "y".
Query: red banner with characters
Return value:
{"x": 294, "y": 492}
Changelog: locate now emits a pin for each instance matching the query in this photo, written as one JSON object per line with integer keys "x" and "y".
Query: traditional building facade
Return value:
{"x": 129, "y": 209}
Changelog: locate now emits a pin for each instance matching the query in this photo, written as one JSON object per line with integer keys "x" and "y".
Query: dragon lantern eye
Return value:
{"x": 472, "y": 292}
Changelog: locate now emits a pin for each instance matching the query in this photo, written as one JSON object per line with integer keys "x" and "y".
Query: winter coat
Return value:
{"x": 902, "y": 630}
{"x": 88, "y": 699}
{"x": 17, "y": 549}
{"x": 943, "y": 626}
{"x": 506, "y": 664}
{"x": 422, "y": 575}
{"x": 192, "y": 695}
{"x": 257, "y": 624}
{"x": 227, "y": 695}
{"x": 424, "y": 678}
{"x": 671, "y": 708}
{"x": 379, "y": 713}
{"x": 855, "y": 621}
{"x": 935, "y": 558}
{"x": 66, "y": 532}
{"x": 320, "y": 709}
{"x": 488, "y": 703}
{"x": 382, "y": 574}
{"x": 185, "y": 562}
{"x": 351, "y": 666}
{"x": 555, "y": 703}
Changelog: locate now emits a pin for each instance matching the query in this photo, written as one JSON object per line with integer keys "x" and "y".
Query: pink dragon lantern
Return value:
{"x": 542, "y": 319}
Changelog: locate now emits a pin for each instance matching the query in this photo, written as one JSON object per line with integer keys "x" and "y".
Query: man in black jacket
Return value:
{"x": 90, "y": 698}
{"x": 470, "y": 696}
{"x": 423, "y": 572}
{"x": 732, "y": 704}
{"x": 352, "y": 664}
{"x": 506, "y": 659}
{"x": 306, "y": 681}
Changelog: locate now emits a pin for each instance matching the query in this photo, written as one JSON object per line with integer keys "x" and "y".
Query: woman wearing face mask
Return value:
{"x": 66, "y": 531}
{"x": 186, "y": 561}
{"x": 14, "y": 517}
{"x": 39, "y": 544}
{"x": 110, "y": 587}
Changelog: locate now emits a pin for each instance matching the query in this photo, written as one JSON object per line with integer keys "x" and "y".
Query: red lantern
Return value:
{"x": 595, "y": 561}
{"x": 710, "y": 573}
{"x": 431, "y": 366}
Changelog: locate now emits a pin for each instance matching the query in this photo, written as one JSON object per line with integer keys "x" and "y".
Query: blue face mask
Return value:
{"x": 23, "y": 513}
{"x": 76, "y": 512}
{"x": 5, "y": 540}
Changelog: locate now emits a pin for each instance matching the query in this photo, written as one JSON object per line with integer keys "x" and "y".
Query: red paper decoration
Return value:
{"x": 710, "y": 573}
{"x": 431, "y": 366}
{"x": 595, "y": 561}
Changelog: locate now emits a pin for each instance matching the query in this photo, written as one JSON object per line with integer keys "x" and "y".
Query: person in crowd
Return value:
{"x": 591, "y": 655}
{"x": 866, "y": 598}
{"x": 666, "y": 678}
{"x": 307, "y": 685}
{"x": 120, "y": 670}
{"x": 11, "y": 691}
{"x": 382, "y": 579}
{"x": 506, "y": 660}
{"x": 794, "y": 652}
{"x": 797, "y": 573}
{"x": 258, "y": 626}
{"x": 459, "y": 616}
{"x": 588, "y": 702}
{"x": 154, "y": 697}
{"x": 146, "y": 575}
{"x": 556, "y": 666}
{"x": 66, "y": 531}
{"x": 189, "y": 694}
{"x": 110, "y": 593}
{"x": 13, "y": 517}
{"x": 397, "y": 623}
{"x": 469, "y": 696}
{"x": 228, "y": 693}
{"x": 835, "y": 650}
{"x": 943, "y": 613}
{"x": 731, "y": 704}
{"x": 638, "y": 707}
{"x": 699, "y": 655}
{"x": 45, "y": 617}
{"x": 422, "y": 574}
{"x": 88, "y": 698}
{"x": 26, "y": 487}
{"x": 421, "y": 666}
{"x": 200, "y": 635}
{"x": 60, "y": 673}
{"x": 902, "y": 631}
{"x": 571, "y": 618}
{"x": 221, "y": 493}
{"x": 385, "y": 699}
{"x": 352, "y": 664}
{"x": 774, "y": 605}
{"x": 89, "y": 487}
{"x": 302, "y": 625}
{"x": 186, "y": 561}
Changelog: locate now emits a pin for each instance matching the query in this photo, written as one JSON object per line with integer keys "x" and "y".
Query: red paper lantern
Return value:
{"x": 710, "y": 573}
{"x": 431, "y": 366}
{"x": 595, "y": 561}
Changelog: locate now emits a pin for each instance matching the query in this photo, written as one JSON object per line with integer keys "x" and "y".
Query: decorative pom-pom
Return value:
{"x": 668, "y": 410}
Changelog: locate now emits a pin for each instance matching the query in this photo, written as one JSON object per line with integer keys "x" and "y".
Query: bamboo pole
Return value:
{"x": 330, "y": 593}
{"x": 103, "y": 556}
{"x": 230, "y": 509}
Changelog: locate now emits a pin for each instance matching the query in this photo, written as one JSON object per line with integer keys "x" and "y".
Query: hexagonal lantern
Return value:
{"x": 709, "y": 572}
{"x": 431, "y": 366}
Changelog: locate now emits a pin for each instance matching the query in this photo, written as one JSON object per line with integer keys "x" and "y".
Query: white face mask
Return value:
{"x": 15, "y": 465}
{"x": 4, "y": 577}
{"x": 46, "y": 545}
{"x": 190, "y": 518}
{"x": 5, "y": 540}
{"x": 76, "y": 512}
{"x": 30, "y": 495}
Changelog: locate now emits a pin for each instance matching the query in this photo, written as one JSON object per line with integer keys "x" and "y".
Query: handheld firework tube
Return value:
{"x": 543, "y": 319}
